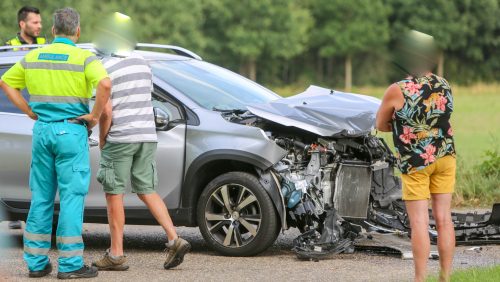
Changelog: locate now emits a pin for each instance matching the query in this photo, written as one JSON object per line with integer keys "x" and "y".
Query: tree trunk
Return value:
{"x": 440, "y": 66}
{"x": 249, "y": 69}
{"x": 348, "y": 73}
{"x": 252, "y": 69}
{"x": 319, "y": 69}
{"x": 285, "y": 72}
{"x": 329, "y": 71}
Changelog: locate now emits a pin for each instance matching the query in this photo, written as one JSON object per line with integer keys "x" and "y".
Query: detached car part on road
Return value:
{"x": 243, "y": 163}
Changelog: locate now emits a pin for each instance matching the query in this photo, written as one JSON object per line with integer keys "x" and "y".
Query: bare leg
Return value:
{"x": 420, "y": 242}
{"x": 441, "y": 209}
{"x": 159, "y": 210}
{"x": 116, "y": 219}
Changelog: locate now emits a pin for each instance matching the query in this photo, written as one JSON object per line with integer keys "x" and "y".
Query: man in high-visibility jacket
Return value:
{"x": 59, "y": 78}
{"x": 30, "y": 25}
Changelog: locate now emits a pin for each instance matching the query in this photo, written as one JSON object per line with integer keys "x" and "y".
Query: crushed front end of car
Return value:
{"x": 337, "y": 180}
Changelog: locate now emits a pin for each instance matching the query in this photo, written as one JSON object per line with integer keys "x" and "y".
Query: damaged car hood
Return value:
{"x": 322, "y": 111}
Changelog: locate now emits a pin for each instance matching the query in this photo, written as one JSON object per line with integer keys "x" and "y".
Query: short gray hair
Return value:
{"x": 66, "y": 21}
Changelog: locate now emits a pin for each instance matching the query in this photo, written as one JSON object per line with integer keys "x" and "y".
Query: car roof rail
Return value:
{"x": 176, "y": 49}
{"x": 29, "y": 47}
{"x": 35, "y": 46}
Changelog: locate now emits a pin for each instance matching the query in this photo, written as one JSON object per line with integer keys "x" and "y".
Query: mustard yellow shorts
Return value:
{"x": 437, "y": 178}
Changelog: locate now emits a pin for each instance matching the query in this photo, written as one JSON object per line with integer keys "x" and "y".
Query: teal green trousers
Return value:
{"x": 60, "y": 160}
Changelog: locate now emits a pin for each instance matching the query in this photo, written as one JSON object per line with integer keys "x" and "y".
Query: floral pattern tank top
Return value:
{"x": 422, "y": 131}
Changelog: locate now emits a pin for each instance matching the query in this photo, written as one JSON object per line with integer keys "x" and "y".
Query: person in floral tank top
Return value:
{"x": 421, "y": 129}
{"x": 417, "y": 111}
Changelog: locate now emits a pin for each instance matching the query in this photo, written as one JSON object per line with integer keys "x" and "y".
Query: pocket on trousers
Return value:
{"x": 155, "y": 175}
{"x": 71, "y": 140}
{"x": 81, "y": 177}
{"x": 106, "y": 174}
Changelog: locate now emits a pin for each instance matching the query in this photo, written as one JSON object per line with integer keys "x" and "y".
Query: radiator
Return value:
{"x": 352, "y": 190}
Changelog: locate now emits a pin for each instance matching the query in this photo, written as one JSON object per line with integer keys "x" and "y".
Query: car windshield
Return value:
{"x": 210, "y": 86}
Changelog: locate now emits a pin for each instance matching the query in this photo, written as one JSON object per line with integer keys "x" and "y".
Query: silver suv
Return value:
{"x": 238, "y": 160}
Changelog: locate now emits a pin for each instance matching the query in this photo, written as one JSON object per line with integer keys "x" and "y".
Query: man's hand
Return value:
{"x": 90, "y": 119}
{"x": 32, "y": 115}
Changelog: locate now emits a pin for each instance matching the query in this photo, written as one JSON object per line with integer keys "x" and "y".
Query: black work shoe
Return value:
{"x": 84, "y": 272}
{"x": 15, "y": 224}
{"x": 41, "y": 273}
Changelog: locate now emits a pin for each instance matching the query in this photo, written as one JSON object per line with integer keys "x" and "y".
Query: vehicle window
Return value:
{"x": 159, "y": 101}
{"x": 5, "y": 104}
{"x": 210, "y": 86}
{"x": 172, "y": 109}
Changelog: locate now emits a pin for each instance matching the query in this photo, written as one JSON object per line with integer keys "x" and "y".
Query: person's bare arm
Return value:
{"x": 392, "y": 100}
{"x": 105, "y": 123}
{"x": 18, "y": 100}
{"x": 103, "y": 92}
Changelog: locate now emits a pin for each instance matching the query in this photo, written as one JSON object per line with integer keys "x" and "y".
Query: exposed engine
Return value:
{"x": 327, "y": 186}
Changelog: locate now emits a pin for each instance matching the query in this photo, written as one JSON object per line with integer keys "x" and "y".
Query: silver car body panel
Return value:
{"x": 216, "y": 133}
{"x": 170, "y": 154}
{"x": 15, "y": 151}
{"x": 323, "y": 112}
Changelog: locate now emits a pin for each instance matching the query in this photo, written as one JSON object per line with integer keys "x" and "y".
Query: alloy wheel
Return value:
{"x": 233, "y": 215}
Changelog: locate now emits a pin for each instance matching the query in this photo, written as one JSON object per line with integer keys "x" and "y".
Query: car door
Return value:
{"x": 169, "y": 158}
{"x": 15, "y": 151}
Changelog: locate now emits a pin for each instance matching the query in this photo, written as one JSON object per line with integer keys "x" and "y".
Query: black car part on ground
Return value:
{"x": 337, "y": 236}
{"x": 387, "y": 213}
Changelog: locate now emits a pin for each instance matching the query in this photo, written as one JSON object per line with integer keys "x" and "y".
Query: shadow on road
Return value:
{"x": 144, "y": 238}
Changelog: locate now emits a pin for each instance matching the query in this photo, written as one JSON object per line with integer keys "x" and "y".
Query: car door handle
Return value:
{"x": 93, "y": 142}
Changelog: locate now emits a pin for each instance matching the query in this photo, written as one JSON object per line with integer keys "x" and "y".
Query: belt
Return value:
{"x": 74, "y": 121}
{"x": 77, "y": 121}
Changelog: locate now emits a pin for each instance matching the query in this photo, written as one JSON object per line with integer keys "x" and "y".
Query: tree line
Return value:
{"x": 333, "y": 42}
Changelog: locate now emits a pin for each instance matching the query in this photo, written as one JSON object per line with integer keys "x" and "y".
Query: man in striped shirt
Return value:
{"x": 128, "y": 143}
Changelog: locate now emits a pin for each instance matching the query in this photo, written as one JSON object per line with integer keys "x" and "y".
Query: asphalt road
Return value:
{"x": 144, "y": 247}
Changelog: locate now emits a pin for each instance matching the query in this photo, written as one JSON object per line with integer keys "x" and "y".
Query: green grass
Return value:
{"x": 476, "y": 125}
{"x": 487, "y": 274}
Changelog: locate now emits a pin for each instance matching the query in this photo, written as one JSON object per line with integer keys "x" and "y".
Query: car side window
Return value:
{"x": 5, "y": 104}
{"x": 171, "y": 108}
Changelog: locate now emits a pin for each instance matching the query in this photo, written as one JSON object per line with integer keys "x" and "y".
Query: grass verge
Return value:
{"x": 486, "y": 274}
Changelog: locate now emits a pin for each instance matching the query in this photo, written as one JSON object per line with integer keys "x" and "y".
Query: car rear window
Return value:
{"x": 5, "y": 104}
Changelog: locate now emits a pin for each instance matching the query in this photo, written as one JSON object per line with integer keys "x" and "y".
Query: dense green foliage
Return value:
{"x": 308, "y": 41}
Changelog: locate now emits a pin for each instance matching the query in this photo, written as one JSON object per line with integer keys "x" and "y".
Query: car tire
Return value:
{"x": 251, "y": 219}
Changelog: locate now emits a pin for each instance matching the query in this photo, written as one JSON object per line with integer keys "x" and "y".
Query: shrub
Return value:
{"x": 479, "y": 185}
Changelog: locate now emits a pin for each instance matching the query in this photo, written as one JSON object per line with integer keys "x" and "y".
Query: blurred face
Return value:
{"x": 32, "y": 26}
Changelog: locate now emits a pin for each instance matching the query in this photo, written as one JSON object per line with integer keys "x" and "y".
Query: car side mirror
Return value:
{"x": 161, "y": 119}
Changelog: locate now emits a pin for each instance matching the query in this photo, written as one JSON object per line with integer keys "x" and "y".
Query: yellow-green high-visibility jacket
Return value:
{"x": 18, "y": 41}
{"x": 59, "y": 77}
